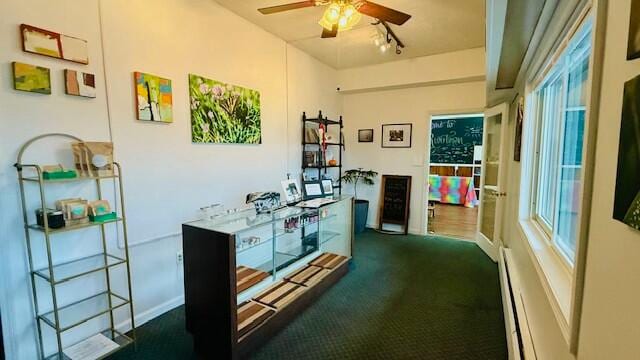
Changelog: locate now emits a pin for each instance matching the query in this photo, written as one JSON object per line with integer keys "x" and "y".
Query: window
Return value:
{"x": 560, "y": 102}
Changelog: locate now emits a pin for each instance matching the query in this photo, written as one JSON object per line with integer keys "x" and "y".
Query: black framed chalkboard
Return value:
{"x": 395, "y": 201}
{"x": 453, "y": 139}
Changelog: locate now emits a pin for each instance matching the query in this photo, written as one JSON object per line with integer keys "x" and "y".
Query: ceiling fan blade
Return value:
{"x": 383, "y": 13}
{"x": 330, "y": 33}
{"x": 287, "y": 7}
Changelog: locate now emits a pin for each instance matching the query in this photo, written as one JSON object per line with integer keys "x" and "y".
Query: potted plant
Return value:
{"x": 355, "y": 176}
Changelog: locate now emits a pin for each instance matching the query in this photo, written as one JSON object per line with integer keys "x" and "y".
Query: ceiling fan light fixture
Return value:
{"x": 345, "y": 16}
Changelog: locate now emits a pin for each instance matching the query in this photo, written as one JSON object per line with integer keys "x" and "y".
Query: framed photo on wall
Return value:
{"x": 365, "y": 135}
{"x": 396, "y": 135}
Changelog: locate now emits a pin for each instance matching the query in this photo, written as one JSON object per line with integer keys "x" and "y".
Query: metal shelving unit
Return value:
{"x": 62, "y": 318}
{"x": 323, "y": 166}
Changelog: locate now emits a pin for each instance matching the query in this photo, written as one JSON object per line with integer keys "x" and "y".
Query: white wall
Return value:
{"x": 166, "y": 177}
{"x": 454, "y": 67}
{"x": 610, "y": 315}
{"x": 415, "y": 105}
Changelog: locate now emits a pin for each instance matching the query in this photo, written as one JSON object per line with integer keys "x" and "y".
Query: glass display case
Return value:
{"x": 248, "y": 261}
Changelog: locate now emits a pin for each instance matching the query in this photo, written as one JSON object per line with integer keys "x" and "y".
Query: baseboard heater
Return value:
{"x": 519, "y": 341}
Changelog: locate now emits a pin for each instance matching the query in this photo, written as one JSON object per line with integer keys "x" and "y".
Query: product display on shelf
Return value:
{"x": 320, "y": 137}
{"x": 237, "y": 296}
{"x": 62, "y": 312}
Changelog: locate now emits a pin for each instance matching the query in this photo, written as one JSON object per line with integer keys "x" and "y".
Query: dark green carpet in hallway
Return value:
{"x": 406, "y": 297}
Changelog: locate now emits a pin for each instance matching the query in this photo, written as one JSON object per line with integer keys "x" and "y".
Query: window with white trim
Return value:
{"x": 560, "y": 107}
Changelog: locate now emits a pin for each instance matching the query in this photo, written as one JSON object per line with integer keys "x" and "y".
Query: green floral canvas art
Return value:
{"x": 223, "y": 113}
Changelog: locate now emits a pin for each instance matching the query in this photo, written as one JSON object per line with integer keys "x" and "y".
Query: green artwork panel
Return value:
{"x": 31, "y": 78}
{"x": 223, "y": 113}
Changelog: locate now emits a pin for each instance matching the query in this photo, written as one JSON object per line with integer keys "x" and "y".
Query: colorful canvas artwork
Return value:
{"x": 31, "y": 78}
{"x": 626, "y": 206}
{"x": 154, "y": 98}
{"x": 223, "y": 113}
{"x": 50, "y": 43}
{"x": 79, "y": 84}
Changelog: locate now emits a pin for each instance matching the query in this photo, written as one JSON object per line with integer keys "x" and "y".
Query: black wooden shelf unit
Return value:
{"x": 321, "y": 164}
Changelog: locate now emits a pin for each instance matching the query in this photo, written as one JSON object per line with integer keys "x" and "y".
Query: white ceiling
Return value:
{"x": 437, "y": 26}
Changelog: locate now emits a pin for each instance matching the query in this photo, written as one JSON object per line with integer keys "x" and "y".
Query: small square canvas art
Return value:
{"x": 633, "y": 47}
{"x": 79, "y": 84}
{"x": 31, "y": 78}
{"x": 626, "y": 205}
{"x": 154, "y": 99}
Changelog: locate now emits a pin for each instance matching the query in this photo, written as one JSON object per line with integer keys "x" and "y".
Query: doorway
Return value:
{"x": 454, "y": 175}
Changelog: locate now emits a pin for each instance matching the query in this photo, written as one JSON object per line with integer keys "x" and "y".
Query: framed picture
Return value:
{"x": 626, "y": 205}
{"x": 633, "y": 47}
{"x": 312, "y": 189}
{"x": 291, "y": 189}
{"x": 365, "y": 135}
{"x": 396, "y": 135}
{"x": 327, "y": 187}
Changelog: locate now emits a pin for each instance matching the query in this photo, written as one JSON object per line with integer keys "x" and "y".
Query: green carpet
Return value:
{"x": 406, "y": 297}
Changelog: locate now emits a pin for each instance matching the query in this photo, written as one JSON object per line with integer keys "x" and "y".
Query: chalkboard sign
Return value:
{"x": 394, "y": 205}
{"x": 452, "y": 140}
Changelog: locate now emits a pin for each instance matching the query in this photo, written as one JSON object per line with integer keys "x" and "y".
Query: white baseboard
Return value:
{"x": 151, "y": 314}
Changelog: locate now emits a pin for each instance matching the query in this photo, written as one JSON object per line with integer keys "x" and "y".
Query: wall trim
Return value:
{"x": 461, "y": 80}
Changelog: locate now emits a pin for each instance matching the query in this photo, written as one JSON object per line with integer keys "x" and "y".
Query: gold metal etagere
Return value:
{"x": 69, "y": 316}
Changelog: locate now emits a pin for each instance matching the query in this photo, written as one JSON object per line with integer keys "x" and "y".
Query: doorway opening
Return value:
{"x": 454, "y": 175}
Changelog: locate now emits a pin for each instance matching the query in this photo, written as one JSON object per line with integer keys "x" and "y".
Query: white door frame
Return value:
{"x": 491, "y": 248}
{"x": 424, "y": 222}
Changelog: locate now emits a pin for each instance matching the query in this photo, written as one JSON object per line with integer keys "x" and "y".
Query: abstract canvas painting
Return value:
{"x": 633, "y": 48}
{"x": 626, "y": 206}
{"x": 223, "y": 113}
{"x": 49, "y": 43}
{"x": 40, "y": 41}
{"x": 154, "y": 99}
{"x": 79, "y": 84}
{"x": 31, "y": 78}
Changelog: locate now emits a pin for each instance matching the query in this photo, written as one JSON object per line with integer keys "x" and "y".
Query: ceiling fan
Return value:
{"x": 343, "y": 14}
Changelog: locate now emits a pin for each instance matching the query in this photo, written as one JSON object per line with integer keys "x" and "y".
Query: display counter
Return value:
{"x": 247, "y": 275}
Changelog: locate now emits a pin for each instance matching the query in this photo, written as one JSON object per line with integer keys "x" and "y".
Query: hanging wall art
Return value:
{"x": 626, "y": 206}
{"x": 223, "y": 113}
{"x": 49, "y": 43}
{"x": 31, "y": 78}
{"x": 79, "y": 84}
{"x": 154, "y": 98}
{"x": 396, "y": 135}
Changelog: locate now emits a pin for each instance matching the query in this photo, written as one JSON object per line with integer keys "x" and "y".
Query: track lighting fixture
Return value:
{"x": 383, "y": 38}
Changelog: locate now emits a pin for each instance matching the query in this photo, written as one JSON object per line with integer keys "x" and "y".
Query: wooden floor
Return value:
{"x": 454, "y": 220}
